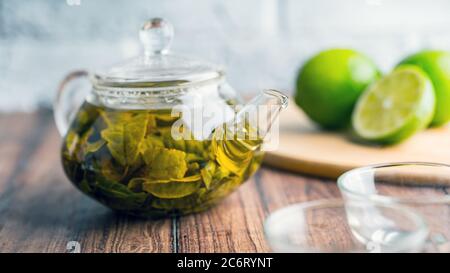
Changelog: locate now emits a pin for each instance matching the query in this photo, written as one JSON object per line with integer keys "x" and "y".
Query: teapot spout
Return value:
{"x": 253, "y": 122}
{"x": 257, "y": 116}
{"x": 236, "y": 142}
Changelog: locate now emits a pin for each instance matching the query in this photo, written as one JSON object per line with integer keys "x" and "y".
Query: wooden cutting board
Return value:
{"x": 304, "y": 148}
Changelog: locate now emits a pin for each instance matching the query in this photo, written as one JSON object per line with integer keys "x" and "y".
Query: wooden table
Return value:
{"x": 40, "y": 211}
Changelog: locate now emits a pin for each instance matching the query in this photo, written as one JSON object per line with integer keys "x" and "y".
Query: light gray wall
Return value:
{"x": 261, "y": 42}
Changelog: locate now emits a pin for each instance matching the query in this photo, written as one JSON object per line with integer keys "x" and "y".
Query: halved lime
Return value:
{"x": 395, "y": 107}
{"x": 436, "y": 64}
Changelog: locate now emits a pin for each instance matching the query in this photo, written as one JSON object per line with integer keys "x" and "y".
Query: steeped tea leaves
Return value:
{"x": 223, "y": 188}
{"x": 124, "y": 136}
{"x": 135, "y": 184}
{"x": 92, "y": 147}
{"x": 111, "y": 171}
{"x": 170, "y": 142}
{"x": 194, "y": 158}
{"x": 175, "y": 188}
{"x": 150, "y": 148}
{"x": 185, "y": 204}
{"x": 71, "y": 142}
{"x": 221, "y": 173}
{"x": 196, "y": 147}
{"x": 119, "y": 196}
{"x": 193, "y": 168}
{"x": 168, "y": 164}
{"x": 84, "y": 186}
{"x": 86, "y": 116}
{"x": 208, "y": 172}
{"x": 129, "y": 161}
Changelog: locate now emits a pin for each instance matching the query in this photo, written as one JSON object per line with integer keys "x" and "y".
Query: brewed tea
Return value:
{"x": 129, "y": 161}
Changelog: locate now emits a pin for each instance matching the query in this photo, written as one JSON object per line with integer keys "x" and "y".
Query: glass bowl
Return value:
{"x": 333, "y": 225}
{"x": 424, "y": 187}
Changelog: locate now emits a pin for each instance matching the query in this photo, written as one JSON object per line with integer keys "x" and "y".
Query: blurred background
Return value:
{"x": 262, "y": 43}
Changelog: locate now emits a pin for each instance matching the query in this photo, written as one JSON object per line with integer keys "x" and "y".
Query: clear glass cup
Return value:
{"x": 423, "y": 187}
{"x": 333, "y": 225}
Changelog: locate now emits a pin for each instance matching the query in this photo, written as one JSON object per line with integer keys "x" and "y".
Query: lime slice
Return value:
{"x": 395, "y": 107}
{"x": 436, "y": 64}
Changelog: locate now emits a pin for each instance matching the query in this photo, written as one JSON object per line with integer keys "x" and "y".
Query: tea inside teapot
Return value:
{"x": 128, "y": 160}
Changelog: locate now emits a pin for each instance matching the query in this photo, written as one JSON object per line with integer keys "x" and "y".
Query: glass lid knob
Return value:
{"x": 156, "y": 36}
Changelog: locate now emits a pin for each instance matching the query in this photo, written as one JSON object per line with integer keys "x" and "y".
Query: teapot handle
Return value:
{"x": 68, "y": 100}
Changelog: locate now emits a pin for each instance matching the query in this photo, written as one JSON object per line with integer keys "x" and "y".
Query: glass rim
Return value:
{"x": 422, "y": 230}
{"x": 139, "y": 89}
{"x": 381, "y": 198}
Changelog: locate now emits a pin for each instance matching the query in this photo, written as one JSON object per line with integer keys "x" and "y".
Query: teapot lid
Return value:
{"x": 157, "y": 67}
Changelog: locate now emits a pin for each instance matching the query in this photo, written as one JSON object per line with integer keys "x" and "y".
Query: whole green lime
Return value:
{"x": 329, "y": 84}
{"x": 436, "y": 65}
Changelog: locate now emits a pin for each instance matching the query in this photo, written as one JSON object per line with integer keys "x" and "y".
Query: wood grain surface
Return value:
{"x": 40, "y": 211}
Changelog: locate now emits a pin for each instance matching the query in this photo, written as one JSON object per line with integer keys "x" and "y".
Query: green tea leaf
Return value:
{"x": 113, "y": 118}
{"x": 193, "y": 158}
{"x": 171, "y": 143}
{"x": 84, "y": 186}
{"x": 94, "y": 146}
{"x": 118, "y": 196}
{"x": 86, "y": 147}
{"x": 223, "y": 188}
{"x": 174, "y": 188}
{"x": 151, "y": 125}
{"x": 189, "y": 145}
{"x": 151, "y": 147}
{"x": 193, "y": 168}
{"x": 168, "y": 164}
{"x": 208, "y": 172}
{"x": 71, "y": 141}
{"x": 86, "y": 116}
{"x": 187, "y": 203}
{"x": 80, "y": 146}
{"x": 221, "y": 173}
{"x": 135, "y": 184}
{"x": 195, "y": 146}
{"x": 119, "y": 190}
{"x": 112, "y": 171}
{"x": 125, "y": 135}
{"x": 254, "y": 164}
{"x": 166, "y": 117}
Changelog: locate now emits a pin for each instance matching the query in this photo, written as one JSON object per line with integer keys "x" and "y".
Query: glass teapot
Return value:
{"x": 160, "y": 134}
